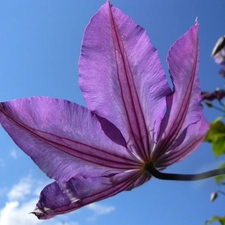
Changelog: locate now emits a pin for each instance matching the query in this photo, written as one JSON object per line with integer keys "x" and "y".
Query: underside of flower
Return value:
{"x": 133, "y": 126}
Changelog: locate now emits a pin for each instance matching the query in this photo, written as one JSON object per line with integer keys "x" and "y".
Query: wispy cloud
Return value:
{"x": 2, "y": 163}
{"x": 21, "y": 200}
{"x": 72, "y": 223}
{"x": 20, "y": 190}
{"x": 15, "y": 213}
{"x": 13, "y": 153}
{"x": 3, "y": 191}
{"x": 99, "y": 210}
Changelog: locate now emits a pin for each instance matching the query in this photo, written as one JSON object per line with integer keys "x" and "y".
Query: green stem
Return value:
{"x": 221, "y": 192}
{"x": 215, "y": 107}
{"x": 184, "y": 177}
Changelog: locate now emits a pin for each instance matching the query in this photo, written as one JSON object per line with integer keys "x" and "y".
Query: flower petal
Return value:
{"x": 65, "y": 140}
{"x": 58, "y": 198}
{"x": 183, "y": 106}
{"x": 193, "y": 137}
{"x": 122, "y": 78}
{"x": 218, "y": 52}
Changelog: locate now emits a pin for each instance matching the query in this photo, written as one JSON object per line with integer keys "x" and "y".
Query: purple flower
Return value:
{"x": 222, "y": 71}
{"x": 218, "y": 53}
{"x": 218, "y": 94}
{"x": 133, "y": 119}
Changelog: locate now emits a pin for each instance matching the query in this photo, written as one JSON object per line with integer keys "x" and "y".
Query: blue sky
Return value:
{"x": 40, "y": 44}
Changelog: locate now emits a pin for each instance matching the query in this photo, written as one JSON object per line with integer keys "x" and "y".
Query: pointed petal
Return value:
{"x": 58, "y": 198}
{"x": 122, "y": 78}
{"x": 65, "y": 140}
{"x": 193, "y": 137}
{"x": 183, "y": 106}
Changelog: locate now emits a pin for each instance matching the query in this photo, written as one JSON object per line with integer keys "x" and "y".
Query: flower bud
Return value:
{"x": 213, "y": 196}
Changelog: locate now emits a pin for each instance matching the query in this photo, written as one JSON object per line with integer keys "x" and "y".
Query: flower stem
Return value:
{"x": 184, "y": 177}
{"x": 221, "y": 192}
{"x": 209, "y": 104}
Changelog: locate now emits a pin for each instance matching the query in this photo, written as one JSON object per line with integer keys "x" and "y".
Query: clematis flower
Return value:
{"x": 218, "y": 53}
{"x": 218, "y": 94}
{"x": 133, "y": 119}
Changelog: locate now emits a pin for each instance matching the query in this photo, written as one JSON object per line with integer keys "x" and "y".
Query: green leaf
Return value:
{"x": 216, "y": 135}
{"x": 221, "y": 178}
{"x": 216, "y": 218}
{"x": 219, "y": 118}
{"x": 218, "y": 146}
{"x": 217, "y": 128}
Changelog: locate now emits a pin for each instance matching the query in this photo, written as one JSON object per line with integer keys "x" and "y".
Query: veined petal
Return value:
{"x": 58, "y": 198}
{"x": 65, "y": 140}
{"x": 193, "y": 137}
{"x": 183, "y": 106}
{"x": 122, "y": 78}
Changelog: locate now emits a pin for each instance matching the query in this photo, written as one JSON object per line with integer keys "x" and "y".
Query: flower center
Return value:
{"x": 147, "y": 166}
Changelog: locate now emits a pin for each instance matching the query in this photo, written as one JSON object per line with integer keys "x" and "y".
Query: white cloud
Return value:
{"x": 13, "y": 153}
{"x": 20, "y": 190}
{"x": 22, "y": 199}
{"x": 3, "y": 191}
{"x": 2, "y": 163}
{"x": 13, "y": 213}
{"x": 99, "y": 210}
{"x": 63, "y": 223}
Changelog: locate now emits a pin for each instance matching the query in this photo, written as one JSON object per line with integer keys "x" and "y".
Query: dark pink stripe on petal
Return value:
{"x": 130, "y": 99}
{"x": 59, "y": 198}
{"x": 63, "y": 139}
{"x": 183, "y": 106}
{"x": 194, "y": 136}
{"x": 122, "y": 79}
